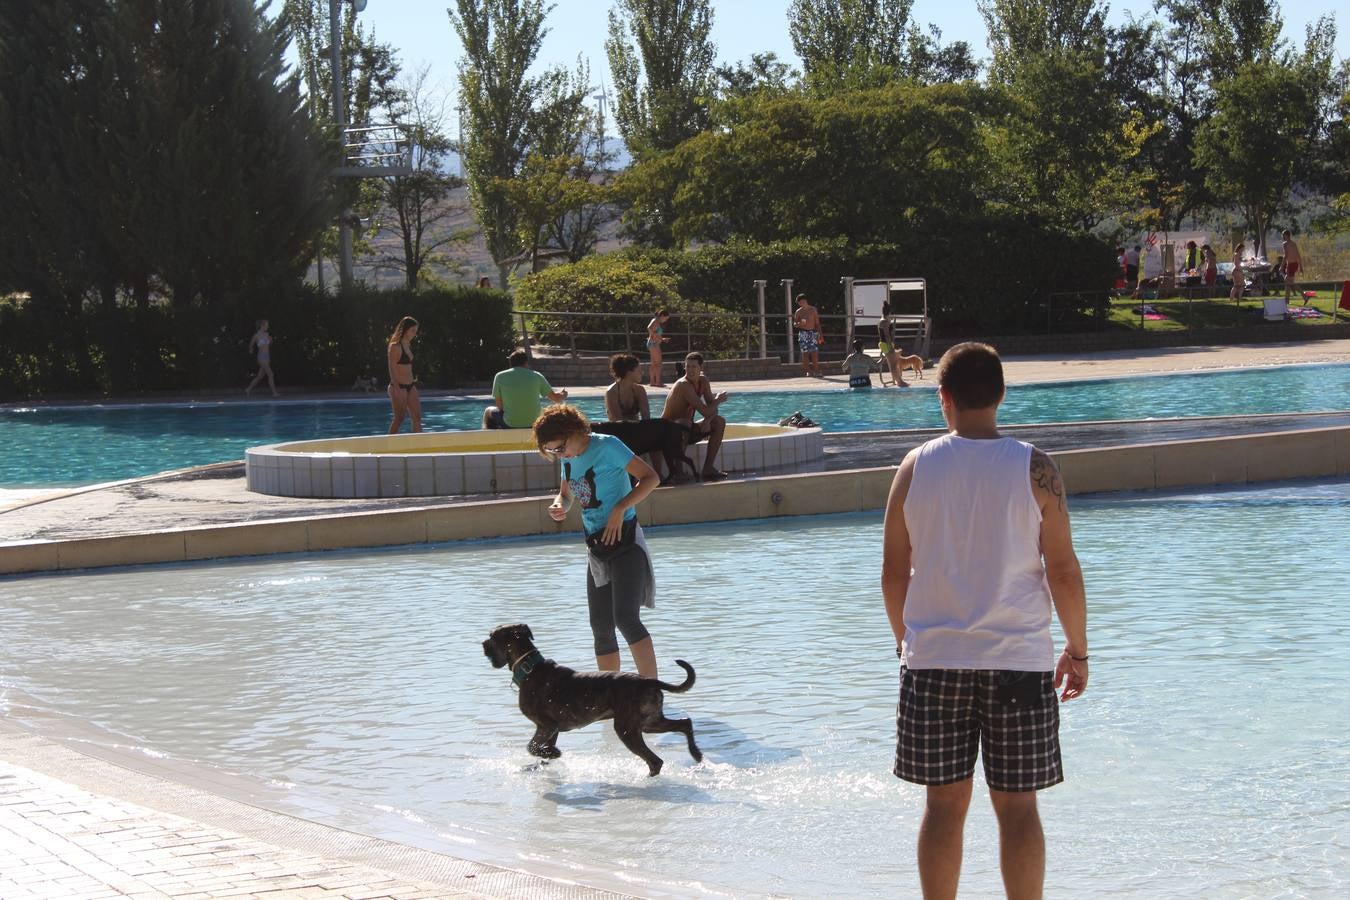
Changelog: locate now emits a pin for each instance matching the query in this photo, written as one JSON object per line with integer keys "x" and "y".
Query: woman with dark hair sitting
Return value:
{"x": 626, "y": 398}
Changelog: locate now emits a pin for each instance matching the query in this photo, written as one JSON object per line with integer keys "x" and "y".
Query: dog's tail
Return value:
{"x": 679, "y": 688}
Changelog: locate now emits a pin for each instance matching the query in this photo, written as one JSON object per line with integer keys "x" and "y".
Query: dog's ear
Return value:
{"x": 529, "y": 635}
{"x": 490, "y": 651}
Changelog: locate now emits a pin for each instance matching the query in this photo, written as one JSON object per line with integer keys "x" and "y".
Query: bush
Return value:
{"x": 602, "y": 287}
{"x": 321, "y": 340}
{"x": 986, "y": 275}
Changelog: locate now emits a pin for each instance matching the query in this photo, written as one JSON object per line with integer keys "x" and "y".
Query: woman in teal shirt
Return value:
{"x": 595, "y": 470}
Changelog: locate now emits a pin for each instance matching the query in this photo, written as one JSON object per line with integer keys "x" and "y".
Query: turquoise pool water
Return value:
{"x": 41, "y": 447}
{"x": 1207, "y": 758}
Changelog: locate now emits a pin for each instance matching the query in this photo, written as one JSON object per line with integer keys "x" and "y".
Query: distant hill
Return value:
{"x": 471, "y": 258}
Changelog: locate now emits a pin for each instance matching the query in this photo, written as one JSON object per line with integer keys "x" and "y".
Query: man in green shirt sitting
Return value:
{"x": 516, "y": 392}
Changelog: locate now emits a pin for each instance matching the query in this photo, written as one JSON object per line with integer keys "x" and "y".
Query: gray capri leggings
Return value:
{"x": 616, "y": 604}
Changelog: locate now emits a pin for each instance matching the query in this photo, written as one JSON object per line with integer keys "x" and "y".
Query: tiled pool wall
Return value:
{"x": 277, "y": 470}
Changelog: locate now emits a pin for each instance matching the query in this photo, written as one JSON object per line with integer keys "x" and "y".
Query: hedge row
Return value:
{"x": 985, "y": 275}
{"x": 599, "y": 288}
{"x": 319, "y": 341}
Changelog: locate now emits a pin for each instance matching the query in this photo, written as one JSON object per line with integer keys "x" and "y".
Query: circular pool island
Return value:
{"x": 441, "y": 464}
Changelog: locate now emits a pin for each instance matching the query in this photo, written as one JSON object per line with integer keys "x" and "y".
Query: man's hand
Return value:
{"x": 564, "y": 393}
{"x": 613, "y": 527}
{"x": 557, "y": 510}
{"x": 1076, "y": 673}
{"x": 721, "y": 397}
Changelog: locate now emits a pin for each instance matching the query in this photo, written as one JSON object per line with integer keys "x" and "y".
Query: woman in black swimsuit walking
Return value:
{"x": 402, "y": 384}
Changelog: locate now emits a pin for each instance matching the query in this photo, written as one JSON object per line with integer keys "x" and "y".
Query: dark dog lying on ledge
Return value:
{"x": 663, "y": 436}
{"x": 556, "y": 698}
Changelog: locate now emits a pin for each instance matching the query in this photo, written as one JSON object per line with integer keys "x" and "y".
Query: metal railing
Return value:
{"x": 598, "y": 335}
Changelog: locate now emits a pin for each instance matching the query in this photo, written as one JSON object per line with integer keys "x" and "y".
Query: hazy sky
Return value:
{"x": 420, "y": 29}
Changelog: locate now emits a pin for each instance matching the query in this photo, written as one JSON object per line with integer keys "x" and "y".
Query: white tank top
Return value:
{"x": 977, "y": 598}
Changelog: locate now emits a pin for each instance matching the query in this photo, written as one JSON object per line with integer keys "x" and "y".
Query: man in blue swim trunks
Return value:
{"x": 806, "y": 319}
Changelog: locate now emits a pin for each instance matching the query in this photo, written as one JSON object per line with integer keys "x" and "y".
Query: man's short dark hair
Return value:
{"x": 519, "y": 357}
{"x": 972, "y": 375}
{"x": 694, "y": 356}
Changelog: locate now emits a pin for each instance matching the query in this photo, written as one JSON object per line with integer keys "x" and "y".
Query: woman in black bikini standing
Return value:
{"x": 402, "y": 384}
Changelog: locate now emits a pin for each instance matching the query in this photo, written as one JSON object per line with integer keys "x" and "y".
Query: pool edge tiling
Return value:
{"x": 1316, "y": 452}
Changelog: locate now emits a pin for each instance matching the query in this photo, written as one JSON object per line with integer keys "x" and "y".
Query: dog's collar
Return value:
{"x": 524, "y": 665}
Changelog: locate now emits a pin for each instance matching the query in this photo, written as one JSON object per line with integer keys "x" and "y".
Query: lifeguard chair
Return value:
{"x": 906, "y": 300}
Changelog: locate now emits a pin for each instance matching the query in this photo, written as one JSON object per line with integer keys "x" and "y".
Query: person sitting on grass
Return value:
{"x": 516, "y": 392}
{"x": 693, "y": 393}
{"x": 859, "y": 366}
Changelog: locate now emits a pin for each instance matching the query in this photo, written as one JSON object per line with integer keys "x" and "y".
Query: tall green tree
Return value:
{"x": 1240, "y": 32}
{"x": 661, "y": 59}
{"x": 370, "y": 69}
{"x": 1063, "y": 149}
{"x": 177, "y": 151}
{"x": 506, "y": 112}
{"x": 1270, "y": 117}
{"x": 862, "y": 165}
{"x": 1159, "y": 69}
{"x": 851, "y": 44}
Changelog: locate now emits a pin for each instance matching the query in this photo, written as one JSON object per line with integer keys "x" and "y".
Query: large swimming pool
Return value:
{"x": 1207, "y": 759}
{"x": 43, "y": 447}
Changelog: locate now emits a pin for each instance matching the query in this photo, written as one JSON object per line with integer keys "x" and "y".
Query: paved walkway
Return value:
{"x": 141, "y": 836}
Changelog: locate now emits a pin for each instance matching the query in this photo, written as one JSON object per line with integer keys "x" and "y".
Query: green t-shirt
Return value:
{"x": 520, "y": 389}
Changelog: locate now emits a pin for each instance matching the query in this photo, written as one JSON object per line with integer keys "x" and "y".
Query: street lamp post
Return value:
{"x": 340, "y": 120}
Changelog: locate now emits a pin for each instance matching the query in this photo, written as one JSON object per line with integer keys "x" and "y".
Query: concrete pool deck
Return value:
{"x": 75, "y": 825}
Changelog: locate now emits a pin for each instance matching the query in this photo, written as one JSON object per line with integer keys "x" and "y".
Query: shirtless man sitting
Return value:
{"x": 693, "y": 393}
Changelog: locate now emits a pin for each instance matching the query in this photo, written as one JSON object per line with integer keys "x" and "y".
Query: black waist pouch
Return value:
{"x": 627, "y": 538}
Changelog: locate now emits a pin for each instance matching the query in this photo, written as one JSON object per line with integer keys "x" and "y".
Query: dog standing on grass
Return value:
{"x": 556, "y": 698}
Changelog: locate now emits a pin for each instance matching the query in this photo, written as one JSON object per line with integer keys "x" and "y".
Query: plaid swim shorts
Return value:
{"x": 945, "y": 715}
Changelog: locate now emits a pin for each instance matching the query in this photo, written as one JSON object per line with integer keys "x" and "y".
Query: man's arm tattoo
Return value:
{"x": 1045, "y": 476}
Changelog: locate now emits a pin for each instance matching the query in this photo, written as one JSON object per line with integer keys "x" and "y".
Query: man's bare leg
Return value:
{"x": 940, "y": 839}
{"x": 644, "y": 657}
{"x": 717, "y": 428}
{"x": 1021, "y": 844}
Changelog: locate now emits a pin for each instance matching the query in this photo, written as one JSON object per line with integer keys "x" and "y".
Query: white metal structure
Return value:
{"x": 907, "y": 301}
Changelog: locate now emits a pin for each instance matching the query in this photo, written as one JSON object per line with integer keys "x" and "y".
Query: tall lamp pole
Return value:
{"x": 340, "y": 120}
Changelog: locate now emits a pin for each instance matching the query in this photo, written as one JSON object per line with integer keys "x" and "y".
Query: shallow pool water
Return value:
{"x": 44, "y": 447}
{"x": 1207, "y": 759}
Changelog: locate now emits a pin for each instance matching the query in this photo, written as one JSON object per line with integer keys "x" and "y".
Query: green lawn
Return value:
{"x": 1217, "y": 312}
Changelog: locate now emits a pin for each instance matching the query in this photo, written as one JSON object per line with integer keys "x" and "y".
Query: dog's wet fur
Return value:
{"x": 664, "y": 436}
{"x": 556, "y": 698}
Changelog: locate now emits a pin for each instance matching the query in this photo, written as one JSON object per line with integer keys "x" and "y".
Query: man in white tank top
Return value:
{"x": 977, "y": 548}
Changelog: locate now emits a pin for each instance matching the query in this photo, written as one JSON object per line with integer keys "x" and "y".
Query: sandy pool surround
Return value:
{"x": 475, "y": 462}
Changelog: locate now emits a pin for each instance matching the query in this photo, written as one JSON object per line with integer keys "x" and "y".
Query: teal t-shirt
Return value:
{"x": 520, "y": 389}
{"x": 598, "y": 479}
